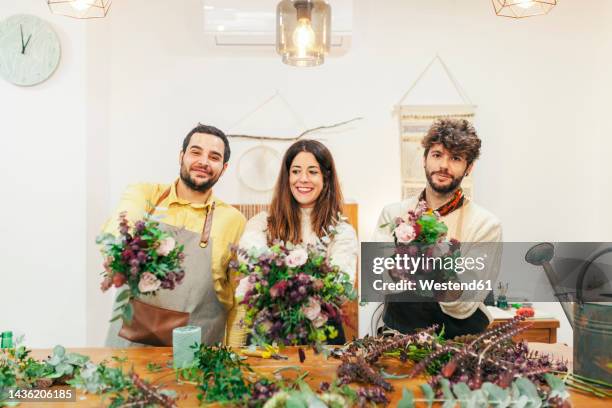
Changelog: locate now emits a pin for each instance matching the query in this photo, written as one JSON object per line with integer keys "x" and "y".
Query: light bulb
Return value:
{"x": 525, "y": 3}
{"x": 81, "y": 5}
{"x": 303, "y": 36}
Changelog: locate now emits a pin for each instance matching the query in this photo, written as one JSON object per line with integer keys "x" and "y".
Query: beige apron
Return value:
{"x": 195, "y": 295}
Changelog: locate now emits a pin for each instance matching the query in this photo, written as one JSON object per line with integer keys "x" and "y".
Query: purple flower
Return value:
{"x": 142, "y": 256}
{"x": 278, "y": 290}
{"x": 303, "y": 278}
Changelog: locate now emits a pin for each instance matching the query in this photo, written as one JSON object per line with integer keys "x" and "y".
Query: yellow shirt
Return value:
{"x": 228, "y": 224}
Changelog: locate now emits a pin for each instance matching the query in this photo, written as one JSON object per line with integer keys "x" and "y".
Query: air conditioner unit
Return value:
{"x": 251, "y": 24}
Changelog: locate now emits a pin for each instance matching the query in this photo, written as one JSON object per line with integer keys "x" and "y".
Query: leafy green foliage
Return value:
{"x": 432, "y": 230}
{"x": 219, "y": 374}
{"x": 521, "y": 393}
{"x": 154, "y": 367}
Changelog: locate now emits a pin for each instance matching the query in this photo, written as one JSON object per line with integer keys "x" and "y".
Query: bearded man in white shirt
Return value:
{"x": 451, "y": 148}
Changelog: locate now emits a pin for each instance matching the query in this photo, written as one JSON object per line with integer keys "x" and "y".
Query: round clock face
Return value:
{"x": 29, "y": 50}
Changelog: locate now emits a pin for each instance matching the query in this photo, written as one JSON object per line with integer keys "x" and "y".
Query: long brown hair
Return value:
{"x": 284, "y": 220}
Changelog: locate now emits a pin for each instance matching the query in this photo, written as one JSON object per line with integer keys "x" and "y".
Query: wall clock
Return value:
{"x": 29, "y": 50}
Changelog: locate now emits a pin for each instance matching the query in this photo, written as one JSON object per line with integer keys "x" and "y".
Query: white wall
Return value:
{"x": 534, "y": 81}
{"x": 541, "y": 85}
{"x": 42, "y": 174}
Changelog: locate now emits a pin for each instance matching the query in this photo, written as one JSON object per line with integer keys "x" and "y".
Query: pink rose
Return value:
{"x": 106, "y": 284}
{"x": 148, "y": 283}
{"x": 319, "y": 321}
{"x": 297, "y": 257}
{"x": 166, "y": 246}
{"x": 404, "y": 232}
{"x": 312, "y": 310}
{"x": 243, "y": 287}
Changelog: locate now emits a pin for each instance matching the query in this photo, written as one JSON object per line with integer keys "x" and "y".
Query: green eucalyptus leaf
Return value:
{"x": 116, "y": 317}
{"x": 446, "y": 391}
{"x": 557, "y": 387}
{"x": 521, "y": 402}
{"x": 294, "y": 401}
{"x": 54, "y": 360}
{"x": 65, "y": 369}
{"x": 428, "y": 393}
{"x": 312, "y": 401}
{"x": 388, "y": 376}
{"x": 528, "y": 389}
{"x": 497, "y": 396}
{"x": 59, "y": 351}
{"x": 77, "y": 359}
{"x": 128, "y": 313}
{"x": 463, "y": 393}
{"x": 407, "y": 400}
{"x": 478, "y": 399}
{"x": 123, "y": 296}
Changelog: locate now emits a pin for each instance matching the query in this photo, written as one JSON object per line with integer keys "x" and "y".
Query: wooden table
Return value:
{"x": 319, "y": 370}
{"x": 541, "y": 330}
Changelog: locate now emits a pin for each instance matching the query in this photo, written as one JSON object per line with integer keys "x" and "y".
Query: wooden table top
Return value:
{"x": 318, "y": 367}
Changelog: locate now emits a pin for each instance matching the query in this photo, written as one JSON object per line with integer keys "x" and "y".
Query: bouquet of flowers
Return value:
{"x": 421, "y": 234}
{"x": 144, "y": 257}
{"x": 292, "y": 294}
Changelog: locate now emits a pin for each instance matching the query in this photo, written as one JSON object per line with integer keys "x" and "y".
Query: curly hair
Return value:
{"x": 456, "y": 135}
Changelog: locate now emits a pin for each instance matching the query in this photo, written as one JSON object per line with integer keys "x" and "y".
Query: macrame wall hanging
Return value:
{"x": 414, "y": 122}
{"x": 259, "y": 166}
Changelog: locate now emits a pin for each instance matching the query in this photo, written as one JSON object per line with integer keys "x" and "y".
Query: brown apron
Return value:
{"x": 193, "y": 302}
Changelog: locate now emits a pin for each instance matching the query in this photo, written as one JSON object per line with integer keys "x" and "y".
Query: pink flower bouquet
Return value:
{"x": 293, "y": 294}
{"x": 422, "y": 234}
{"x": 144, "y": 257}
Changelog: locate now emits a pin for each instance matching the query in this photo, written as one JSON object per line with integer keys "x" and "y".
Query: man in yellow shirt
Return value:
{"x": 205, "y": 225}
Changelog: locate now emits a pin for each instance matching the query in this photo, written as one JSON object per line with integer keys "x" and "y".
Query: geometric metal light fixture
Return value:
{"x": 80, "y": 8}
{"x": 522, "y": 8}
{"x": 303, "y": 31}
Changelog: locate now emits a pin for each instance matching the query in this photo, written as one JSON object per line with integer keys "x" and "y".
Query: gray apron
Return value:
{"x": 195, "y": 295}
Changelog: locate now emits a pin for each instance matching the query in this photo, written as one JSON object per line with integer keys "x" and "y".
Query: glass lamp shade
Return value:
{"x": 523, "y": 8}
{"x": 303, "y": 31}
{"x": 80, "y": 8}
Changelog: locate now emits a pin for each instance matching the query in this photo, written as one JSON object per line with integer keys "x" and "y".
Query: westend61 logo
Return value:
{"x": 422, "y": 272}
{"x": 411, "y": 264}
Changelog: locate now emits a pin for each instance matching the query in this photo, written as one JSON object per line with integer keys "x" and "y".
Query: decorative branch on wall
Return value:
{"x": 301, "y": 135}
{"x": 258, "y": 166}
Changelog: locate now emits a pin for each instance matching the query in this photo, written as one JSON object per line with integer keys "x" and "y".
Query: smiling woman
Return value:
{"x": 307, "y": 202}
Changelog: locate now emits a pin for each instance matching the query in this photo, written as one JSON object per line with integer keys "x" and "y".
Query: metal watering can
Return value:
{"x": 591, "y": 320}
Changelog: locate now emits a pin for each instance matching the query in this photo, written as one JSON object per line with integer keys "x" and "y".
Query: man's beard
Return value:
{"x": 455, "y": 182}
{"x": 201, "y": 187}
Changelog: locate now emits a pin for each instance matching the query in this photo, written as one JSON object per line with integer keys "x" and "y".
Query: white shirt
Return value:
{"x": 477, "y": 225}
